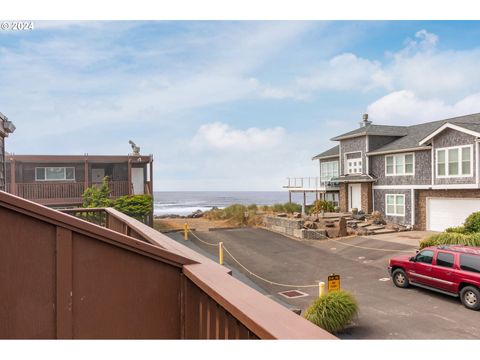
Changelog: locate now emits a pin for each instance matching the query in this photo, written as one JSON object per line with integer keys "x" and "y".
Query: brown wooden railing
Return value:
{"x": 47, "y": 190}
{"x": 62, "y": 191}
{"x": 67, "y": 278}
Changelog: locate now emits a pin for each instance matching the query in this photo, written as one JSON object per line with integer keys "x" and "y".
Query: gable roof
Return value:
{"x": 417, "y": 133}
{"x": 472, "y": 129}
{"x": 378, "y": 130}
{"x": 333, "y": 152}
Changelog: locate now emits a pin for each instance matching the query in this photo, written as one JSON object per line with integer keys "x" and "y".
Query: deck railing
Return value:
{"x": 57, "y": 190}
{"x": 214, "y": 304}
{"x": 66, "y": 191}
{"x": 309, "y": 183}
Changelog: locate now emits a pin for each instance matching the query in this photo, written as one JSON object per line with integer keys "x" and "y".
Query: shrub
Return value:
{"x": 320, "y": 205}
{"x": 333, "y": 311}
{"x": 292, "y": 208}
{"x": 97, "y": 196}
{"x": 456, "y": 229}
{"x": 472, "y": 223}
{"x": 136, "y": 206}
{"x": 451, "y": 238}
{"x": 252, "y": 207}
{"x": 265, "y": 208}
{"x": 278, "y": 208}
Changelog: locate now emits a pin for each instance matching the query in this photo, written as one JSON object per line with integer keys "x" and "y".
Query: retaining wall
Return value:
{"x": 293, "y": 227}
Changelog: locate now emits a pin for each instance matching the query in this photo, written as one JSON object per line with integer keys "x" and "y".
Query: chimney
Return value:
{"x": 365, "y": 121}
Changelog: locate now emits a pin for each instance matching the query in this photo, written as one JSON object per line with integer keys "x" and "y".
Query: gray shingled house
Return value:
{"x": 424, "y": 175}
{"x": 6, "y": 127}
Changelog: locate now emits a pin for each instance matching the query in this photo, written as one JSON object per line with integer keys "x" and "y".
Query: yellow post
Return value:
{"x": 321, "y": 288}
{"x": 185, "y": 231}
{"x": 220, "y": 253}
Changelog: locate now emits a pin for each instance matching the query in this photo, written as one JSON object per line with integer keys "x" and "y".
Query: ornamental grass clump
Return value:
{"x": 333, "y": 311}
{"x": 451, "y": 238}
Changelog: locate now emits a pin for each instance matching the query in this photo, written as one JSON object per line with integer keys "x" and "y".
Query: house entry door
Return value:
{"x": 354, "y": 196}
{"x": 138, "y": 181}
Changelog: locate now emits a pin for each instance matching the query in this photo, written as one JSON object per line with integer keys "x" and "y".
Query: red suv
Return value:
{"x": 449, "y": 269}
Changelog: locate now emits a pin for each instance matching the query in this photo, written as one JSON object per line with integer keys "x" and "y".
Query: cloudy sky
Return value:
{"x": 229, "y": 105}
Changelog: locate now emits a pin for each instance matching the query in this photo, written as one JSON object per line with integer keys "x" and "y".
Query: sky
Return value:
{"x": 229, "y": 105}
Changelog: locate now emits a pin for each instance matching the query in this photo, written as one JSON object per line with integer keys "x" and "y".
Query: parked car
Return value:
{"x": 449, "y": 269}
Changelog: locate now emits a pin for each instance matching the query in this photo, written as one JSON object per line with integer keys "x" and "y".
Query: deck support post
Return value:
{"x": 289, "y": 197}
{"x": 130, "y": 185}
{"x": 13, "y": 182}
{"x": 87, "y": 175}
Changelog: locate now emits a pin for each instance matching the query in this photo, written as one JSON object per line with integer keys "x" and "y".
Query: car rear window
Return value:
{"x": 470, "y": 263}
{"x": 445, "y": 259}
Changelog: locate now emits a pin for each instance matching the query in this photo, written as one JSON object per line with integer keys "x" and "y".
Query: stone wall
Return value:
{"x": 366, "y": 196}
{"x": 293, "y": 227}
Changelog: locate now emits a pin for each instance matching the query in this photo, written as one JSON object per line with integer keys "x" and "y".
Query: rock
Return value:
{"x": 379, "y": 222}
{"x": 342, "y": 227}
{"x": 330, "y": 225}
{"x": 196, "y": 214}
{"x": 297, "y": 215}
{"x": 282, "y": 215}
{"x": 358, "y": 216}
{"x": 309, "y": 225}
{"x": 362, "y": 231}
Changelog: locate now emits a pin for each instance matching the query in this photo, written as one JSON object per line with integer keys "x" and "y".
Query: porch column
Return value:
{"x": 87, "y": 175}
{"x": 151, "y": 175}
{"x": 13, "y": 182}
{"x": 129, "y": 176}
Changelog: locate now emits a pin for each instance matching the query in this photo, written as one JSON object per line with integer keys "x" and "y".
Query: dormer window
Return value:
{"x": 354, "y": 166}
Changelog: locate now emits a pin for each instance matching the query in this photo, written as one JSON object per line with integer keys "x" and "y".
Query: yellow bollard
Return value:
{"x": 185, "y": 231}
{"x": 321, "y": 288}
{"x": 220, "y": 253}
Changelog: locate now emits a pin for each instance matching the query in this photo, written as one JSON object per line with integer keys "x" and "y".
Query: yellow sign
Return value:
{"x": 333, "y": 282}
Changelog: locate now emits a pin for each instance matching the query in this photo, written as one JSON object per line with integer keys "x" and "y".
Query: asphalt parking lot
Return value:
{"x": 386, "y": 312}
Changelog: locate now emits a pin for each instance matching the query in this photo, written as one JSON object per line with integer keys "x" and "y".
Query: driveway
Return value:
{"x": 386, "y": 312}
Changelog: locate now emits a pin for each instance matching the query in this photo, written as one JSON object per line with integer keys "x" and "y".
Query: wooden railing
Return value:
{"x": 57, "y": 190}
{"x": 124, "y": 281}
{"x": 62, "y": 190}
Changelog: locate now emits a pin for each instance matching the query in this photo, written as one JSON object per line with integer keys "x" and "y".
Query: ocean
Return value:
{"x": 186, "y": 202}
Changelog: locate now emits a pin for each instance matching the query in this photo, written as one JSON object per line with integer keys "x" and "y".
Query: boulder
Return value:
{"x": 342, "y": 227}
{"x": 309, "y": 225}
{"x": 282, "y": 215}
{"x": 297, "y": 215}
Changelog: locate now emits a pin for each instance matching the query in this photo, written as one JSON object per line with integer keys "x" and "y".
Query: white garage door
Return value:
{"x": 444, "y": 213}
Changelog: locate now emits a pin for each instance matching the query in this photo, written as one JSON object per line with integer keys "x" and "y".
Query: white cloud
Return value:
{"x": 222, "y": 137}
{"x": 405, "y": 107}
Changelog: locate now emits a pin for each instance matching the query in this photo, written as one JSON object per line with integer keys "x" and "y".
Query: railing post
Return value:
{"x": 185, "y": 231}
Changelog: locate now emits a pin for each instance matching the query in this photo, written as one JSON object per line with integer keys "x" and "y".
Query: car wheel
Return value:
{"x": 400, "y": 278}
{"x": 470, "y": 297}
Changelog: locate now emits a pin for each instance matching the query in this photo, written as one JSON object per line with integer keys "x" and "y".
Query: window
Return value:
{"x": 354, "y": 166}
{"x": 454, "y": 161}
{"x": 470, "y": 263}
{"x": 54, "y": 173}
{"x": 399, "y": 164}
{"x": 425, "y": 256}
{"x": 395, "y": 204}
{"x": 329, "y": 170}
{"x": 445, "y": 259}
{"x": 332, "y": 197}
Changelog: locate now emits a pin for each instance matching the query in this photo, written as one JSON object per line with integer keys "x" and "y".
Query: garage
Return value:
{"x": 443, "y": 213}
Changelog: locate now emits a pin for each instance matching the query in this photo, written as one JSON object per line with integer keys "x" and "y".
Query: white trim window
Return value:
{"x": 395, "y": 204}
{"x": 403, "y": 164}
{"x": 455, "y": 161}
{"x": 328, "y": 170}
{"x": 354, "y": 166}
{"x": 54, "y": 173}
